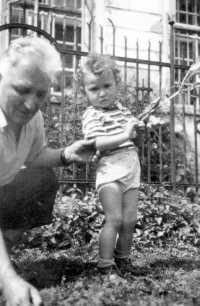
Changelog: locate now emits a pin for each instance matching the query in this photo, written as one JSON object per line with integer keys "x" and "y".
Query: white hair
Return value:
{"x": 48, "y": 57}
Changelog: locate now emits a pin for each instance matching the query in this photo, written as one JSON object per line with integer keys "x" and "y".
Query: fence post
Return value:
{"x": 172, "y": 121}
{"x": 196, "y": 151}
{"x": 10, "y": 21}
{"x": 114, "y": 30}
{"x": 62, "y": 117}
{"x": 125, "y": 71}
{"x": 90, "y": 34}
{"x": 101, "y": 39}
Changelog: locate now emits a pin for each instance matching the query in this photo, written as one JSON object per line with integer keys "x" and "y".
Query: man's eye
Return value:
{"x": 41, "y": 94}
{"x": 94, "y": 89}
{"x": 22, "y": 90}
{"x": 107, "y": 85}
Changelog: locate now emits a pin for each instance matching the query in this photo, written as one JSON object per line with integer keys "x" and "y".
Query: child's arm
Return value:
{"x": 113, "y": 141}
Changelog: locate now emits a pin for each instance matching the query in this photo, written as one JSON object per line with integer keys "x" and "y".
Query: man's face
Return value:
{"x": 100, "y": 90}
{"x": 23, "y": 89}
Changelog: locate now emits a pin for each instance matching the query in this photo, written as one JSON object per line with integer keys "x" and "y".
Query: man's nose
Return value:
{"x": 30, "y": 102}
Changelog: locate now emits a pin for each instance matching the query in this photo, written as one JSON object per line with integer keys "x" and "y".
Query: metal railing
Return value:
{"x": 161, "y": 154}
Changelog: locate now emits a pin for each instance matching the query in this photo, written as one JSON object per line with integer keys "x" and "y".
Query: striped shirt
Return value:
{"x": 107, "y": 121}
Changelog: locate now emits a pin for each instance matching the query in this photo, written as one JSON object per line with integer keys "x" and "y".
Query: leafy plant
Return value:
{"x": 162, "y": 216}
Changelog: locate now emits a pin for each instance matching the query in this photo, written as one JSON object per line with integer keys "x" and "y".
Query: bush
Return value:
{"x": 162, "y": 217}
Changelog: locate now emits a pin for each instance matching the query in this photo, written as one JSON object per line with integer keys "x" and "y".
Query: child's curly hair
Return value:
{"x": 98, "y": 64}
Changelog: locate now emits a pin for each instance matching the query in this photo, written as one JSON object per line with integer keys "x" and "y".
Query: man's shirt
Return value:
{"x": 14, "y": 155}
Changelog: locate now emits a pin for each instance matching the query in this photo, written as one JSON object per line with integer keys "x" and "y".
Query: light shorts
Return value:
{"x": 122, "y": 166}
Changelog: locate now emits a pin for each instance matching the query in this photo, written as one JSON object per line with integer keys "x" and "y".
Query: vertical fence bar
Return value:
{"x": 143, "y": 93}
{"x": 137, "y": 77}
{"x": 160, "y": 68}
{"x": 114, "y": 32}
{"x": 10, "y": 21}
{"x": 184, "y": 140}
{"x": 125, "y": 71}
{"x": 184, "y": 133}
{"x": 148, "y": 133}
{"x": 160, "y": 128}
{"x": 24, "y": 18}
{"x": 172, "y": 119}
{"x": 90, "y": 34}
{"x": 75, "y": 102}
{"x": 62, "y": 118}
{"x": 74, "y": 124}
{"x": 101, "y": 40}
{"x": 196, "y": 151}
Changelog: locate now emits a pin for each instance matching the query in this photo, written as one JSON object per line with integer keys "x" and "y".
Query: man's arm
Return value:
{"x": 15, "y": 290}
{"x": 81, "y": 151}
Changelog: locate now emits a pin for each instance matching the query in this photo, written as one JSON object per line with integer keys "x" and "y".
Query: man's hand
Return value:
{"x": 82, "y": 151}
{"x": 18, "y": 292}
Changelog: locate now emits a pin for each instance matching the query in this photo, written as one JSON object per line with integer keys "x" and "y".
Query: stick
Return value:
{"x": 153, "y": 110}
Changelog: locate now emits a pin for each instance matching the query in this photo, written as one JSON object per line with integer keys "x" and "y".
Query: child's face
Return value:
{"x": 100, "y": 90}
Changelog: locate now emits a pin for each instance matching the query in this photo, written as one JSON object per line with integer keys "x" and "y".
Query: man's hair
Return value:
{"x": 99, "y": 65}
{"x": 48, "y": 57}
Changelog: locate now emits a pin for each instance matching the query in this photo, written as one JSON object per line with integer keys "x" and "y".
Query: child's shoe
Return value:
{"x": 125, "y": 265}
{"x": 112, "y": 274}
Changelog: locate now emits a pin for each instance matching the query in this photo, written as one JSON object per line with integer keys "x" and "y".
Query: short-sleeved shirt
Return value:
{"x": 14, "y": 155}
{"x": 107, "y": 121}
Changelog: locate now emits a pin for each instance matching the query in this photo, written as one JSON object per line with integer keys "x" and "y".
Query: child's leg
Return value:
{"x": 129, "y": 219}
{"x": 110, "y": 196}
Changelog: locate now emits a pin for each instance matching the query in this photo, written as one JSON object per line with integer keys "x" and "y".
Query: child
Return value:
{"x": 118, "y": 169}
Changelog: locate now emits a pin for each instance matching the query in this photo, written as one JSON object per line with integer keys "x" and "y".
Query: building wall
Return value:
{"x": 141, "y": 22}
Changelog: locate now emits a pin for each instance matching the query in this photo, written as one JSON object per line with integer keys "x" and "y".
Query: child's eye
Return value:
{"x": 107, "y": 85}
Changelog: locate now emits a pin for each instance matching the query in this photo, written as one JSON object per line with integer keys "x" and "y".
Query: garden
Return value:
{"x": 60, "y": 259}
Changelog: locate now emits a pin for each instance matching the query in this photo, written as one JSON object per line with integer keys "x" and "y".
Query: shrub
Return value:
{"x": 163, "y": 216}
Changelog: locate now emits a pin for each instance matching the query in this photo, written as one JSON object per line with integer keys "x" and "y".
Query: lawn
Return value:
{"x": 60, "y": 259}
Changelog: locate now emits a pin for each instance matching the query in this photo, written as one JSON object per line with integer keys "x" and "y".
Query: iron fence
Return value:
{"x": 164, "y": 152}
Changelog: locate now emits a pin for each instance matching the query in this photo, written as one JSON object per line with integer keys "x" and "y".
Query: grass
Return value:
{"x": 60, "y": 259}
{"x": 165, "y": 276}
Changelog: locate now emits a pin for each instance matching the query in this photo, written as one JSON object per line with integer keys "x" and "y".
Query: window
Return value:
{"x": 72, "y": 41}
{"x": 44, "y": 1}
{"x": 17, "y": 17}
{"x": 187, "y": 39}
{"x": 73, "y": 4}
{"x": 188, "y": 12}
{"x": 72, "y": 32}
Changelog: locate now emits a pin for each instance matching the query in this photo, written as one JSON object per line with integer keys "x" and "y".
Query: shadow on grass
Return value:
{"x": 50, "y": 272}
{"x": 177, "y": 263}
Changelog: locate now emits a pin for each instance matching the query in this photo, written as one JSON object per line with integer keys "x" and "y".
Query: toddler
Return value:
{"x": 118, "y": 169}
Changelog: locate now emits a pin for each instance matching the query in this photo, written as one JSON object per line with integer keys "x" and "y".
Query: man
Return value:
{"x": 27, "y": 193}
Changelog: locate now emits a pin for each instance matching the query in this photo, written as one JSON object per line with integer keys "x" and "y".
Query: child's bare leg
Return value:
{"x": 129, "y": 219}
{"x": 111, "y": 198}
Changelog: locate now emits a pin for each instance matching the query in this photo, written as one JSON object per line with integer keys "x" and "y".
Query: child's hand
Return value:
{"x": 130, "y": 128}
{"x": 141, "y": 126}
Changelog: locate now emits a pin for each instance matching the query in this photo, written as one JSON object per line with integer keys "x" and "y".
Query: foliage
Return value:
{"x": 148, "y": 143}
{"x": 162, "y": 216}
{"x": 60, "y": 259}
